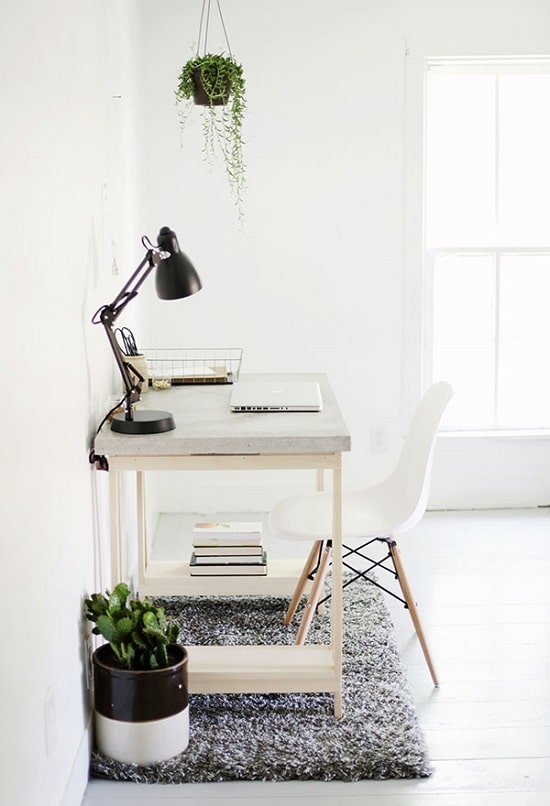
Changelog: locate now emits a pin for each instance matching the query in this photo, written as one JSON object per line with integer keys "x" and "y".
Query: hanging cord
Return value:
{"x": 98, "y": 460}
{"x": 206, "y": 7}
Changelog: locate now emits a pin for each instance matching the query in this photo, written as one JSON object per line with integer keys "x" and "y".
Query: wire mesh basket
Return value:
{"x": 193, "y": 365}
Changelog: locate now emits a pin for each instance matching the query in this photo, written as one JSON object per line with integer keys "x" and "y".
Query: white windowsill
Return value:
{"x": 527, "y": 433}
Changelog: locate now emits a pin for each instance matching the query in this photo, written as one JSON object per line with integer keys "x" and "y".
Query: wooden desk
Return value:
{"x": 208, "y": 436}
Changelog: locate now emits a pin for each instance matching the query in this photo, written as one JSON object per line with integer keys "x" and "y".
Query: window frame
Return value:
{"x": 418, "y": 307}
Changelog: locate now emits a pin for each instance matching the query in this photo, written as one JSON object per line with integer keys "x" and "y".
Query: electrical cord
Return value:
{"x": 98, "y": 460}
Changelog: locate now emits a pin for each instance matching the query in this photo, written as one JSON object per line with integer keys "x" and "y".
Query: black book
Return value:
{"x": 223, "y": 568}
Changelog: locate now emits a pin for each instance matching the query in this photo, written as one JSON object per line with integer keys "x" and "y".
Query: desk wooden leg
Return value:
{"x": 336, "y": 601}
{"x": 143, "y": 549}
{"x": 338, "y": 704}
{"x": 116, "y": 541}
{"x": 320, "y": 479}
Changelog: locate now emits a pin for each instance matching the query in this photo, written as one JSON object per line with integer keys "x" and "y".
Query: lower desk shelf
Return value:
{"x": 244, "y": 669}
{"x": 172, "y": 578}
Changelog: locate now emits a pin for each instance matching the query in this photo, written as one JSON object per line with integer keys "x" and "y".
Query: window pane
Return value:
{"x": 488, "y": 221}
{"x": 524, "y": 159}
{"x": 464, "y": 336}
{"x": 460, "y": 176}
{"x": 524, "y": 355}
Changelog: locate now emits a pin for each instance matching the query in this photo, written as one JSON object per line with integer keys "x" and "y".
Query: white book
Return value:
{"x": 228, "y": 559}
{"x": 227, "y": 533}
{"x": 232, "y": 551}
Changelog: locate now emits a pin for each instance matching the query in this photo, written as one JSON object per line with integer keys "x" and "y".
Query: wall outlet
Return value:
{"x": 378, "y": 438}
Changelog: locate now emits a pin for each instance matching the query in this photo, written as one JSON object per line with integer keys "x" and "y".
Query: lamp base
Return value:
{"x": 145, "y": 421}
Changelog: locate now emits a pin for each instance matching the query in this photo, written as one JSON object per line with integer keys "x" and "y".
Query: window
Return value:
{"x": 487, "y": 240}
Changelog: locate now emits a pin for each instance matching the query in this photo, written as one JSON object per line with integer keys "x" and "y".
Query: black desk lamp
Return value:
{"x": 175, "y": 278}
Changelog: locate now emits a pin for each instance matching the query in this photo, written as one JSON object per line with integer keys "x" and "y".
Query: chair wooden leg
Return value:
{"x": 314, "y": 595}
{"x": 309, "y": 565}
{"x": 413, "y": 609}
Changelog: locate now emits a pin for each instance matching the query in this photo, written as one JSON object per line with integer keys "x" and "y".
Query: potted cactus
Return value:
{"x": 141, "y": 710}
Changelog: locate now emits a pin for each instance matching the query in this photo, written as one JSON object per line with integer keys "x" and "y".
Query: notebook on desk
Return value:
{"x": 271, "y": 396}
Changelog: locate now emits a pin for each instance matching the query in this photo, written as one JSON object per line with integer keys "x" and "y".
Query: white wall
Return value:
{"x": 62, "y": 66}
{"x": 323, "y": 275}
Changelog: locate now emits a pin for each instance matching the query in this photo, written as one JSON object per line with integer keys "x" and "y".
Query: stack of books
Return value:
{"x": 228, "y": 548}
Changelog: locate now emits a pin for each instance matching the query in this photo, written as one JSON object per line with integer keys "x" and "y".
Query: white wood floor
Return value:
{"x": 482, "y": 580}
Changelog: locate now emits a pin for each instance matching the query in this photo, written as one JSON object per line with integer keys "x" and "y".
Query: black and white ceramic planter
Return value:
{"x": 141, "y": 717}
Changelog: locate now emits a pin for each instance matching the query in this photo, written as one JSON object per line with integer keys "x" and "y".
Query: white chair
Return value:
{"x": 377, "y": 513}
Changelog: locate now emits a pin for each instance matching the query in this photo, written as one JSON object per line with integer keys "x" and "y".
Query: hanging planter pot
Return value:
{"x": 215, "y": 82}
{"x": 209, "y": 87}
{"x": 141, "y": 708}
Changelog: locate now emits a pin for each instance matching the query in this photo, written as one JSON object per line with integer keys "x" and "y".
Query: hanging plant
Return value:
{"x": 215, "y": 82}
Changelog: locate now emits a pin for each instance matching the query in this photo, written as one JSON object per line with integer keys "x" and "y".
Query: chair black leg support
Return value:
{"x": 311, "y": 575}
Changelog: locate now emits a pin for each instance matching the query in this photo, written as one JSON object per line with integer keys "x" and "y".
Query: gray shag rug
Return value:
{"x": 283, "y": 737}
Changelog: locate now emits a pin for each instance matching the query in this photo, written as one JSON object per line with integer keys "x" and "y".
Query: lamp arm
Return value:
{"x": 108, "y": 315}
{"x": 128, "y": 293}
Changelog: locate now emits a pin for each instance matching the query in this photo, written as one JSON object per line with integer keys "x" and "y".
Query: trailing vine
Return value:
{"x": 224, "y": 84}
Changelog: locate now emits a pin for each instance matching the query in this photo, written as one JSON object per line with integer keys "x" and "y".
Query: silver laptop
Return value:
{"x": 271, "y": 396}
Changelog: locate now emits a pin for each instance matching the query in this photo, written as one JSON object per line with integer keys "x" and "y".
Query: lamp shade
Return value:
{"x": 175, "y": 276}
